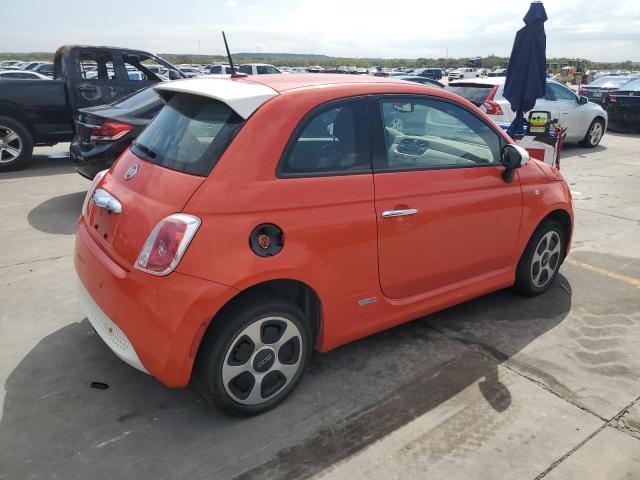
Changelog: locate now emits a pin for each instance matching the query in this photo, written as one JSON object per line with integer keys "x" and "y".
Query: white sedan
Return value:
{"x": 585, "y": 121}
{"x": 21, "y": 75}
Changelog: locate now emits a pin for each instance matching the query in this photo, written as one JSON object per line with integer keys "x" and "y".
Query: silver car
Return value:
{"x": 585, "y": 121}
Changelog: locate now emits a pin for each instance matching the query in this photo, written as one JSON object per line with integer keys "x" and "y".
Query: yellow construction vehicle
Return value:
{"x": 575, "y": 73}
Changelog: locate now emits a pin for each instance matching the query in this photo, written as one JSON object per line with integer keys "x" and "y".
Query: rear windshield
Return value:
{"x": 189, "y": 135}
{"x": 632, "y": 86}
{"x": 476, "y": 94}
{"x": 609, "y": 82}
{"x": 138, "y": 99}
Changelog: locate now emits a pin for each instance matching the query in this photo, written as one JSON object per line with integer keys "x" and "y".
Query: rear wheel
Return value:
{"x": 541, "y": 260}
{"x": 16, "y": 144}
{"x": 594, "y": 134}
{"x": 253, "y": 356}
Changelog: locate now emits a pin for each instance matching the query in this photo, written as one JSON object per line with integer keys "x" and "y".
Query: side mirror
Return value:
{"x": 582, "y": 100}
{"x": 173, "y": 75}
{"x": 513, "y": 156}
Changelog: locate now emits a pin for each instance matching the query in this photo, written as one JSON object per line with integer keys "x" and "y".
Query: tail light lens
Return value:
{"x": 613, "y": 98}
{"x": 493, "y": 108}
{"x": 110, "y": 131}
{"x": 96, "y": 180}
{"x": 167, "y": 243}
{"x": 582, "y": 91}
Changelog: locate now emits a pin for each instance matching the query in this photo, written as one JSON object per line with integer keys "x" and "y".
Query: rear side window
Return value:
{"x": 266, "y": 69}
{"x": 245, "y": 69}
{"x": 476, "y": 94}
{"x": 189, "y": 135}
{"x": 332, "y": 140}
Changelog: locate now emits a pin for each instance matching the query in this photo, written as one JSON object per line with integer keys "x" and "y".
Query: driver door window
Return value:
{"x": 425, "y": 134}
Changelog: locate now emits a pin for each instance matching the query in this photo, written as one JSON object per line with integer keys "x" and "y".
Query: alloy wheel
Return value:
{"x": 546, "y": 259}
{"x": 262, "y": 360}
{"x": 10, "y": 145}
{"x": 596, "y": 133}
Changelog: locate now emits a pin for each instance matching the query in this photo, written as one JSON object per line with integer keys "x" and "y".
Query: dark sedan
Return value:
{"x": 623, "y": 107}
{"x": 104, "y": 132}
{"x": 598, "y": 90}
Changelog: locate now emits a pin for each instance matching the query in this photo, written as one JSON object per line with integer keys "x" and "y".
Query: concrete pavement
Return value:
{"x": 500, "y": 387}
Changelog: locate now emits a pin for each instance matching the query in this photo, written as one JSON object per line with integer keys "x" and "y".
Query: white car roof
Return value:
{"x": 244, "y": 98}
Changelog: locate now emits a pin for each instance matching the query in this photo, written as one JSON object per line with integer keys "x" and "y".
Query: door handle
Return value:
{"x": 564, "y": 113}
{"x": 399, "y": 213}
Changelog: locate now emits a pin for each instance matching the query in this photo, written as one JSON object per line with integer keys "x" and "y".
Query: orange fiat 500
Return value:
{"x": 258, "y": 218}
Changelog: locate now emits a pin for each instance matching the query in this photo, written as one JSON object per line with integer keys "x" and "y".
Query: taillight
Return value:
{"x": 582, "y": 91}
{"x": 493, "y": 108}
{"x": 167, "y": 243}
{"x": 613, "y": 98}
{"x": 92, "y": 188}
{"x": 109, "y": 131}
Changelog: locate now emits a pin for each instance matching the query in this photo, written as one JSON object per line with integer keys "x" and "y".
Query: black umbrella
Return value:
{"x": 527, "y": 73}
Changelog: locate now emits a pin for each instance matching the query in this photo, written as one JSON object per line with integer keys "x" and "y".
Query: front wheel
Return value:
{"x": 254, "y": 356}
{"x": 541, "y": 260}
{"x": 594, "y": 134}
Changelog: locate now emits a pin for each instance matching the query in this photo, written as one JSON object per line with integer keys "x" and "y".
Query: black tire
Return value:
{"x": 24, "y": 140}
{"x": 225, "y": 332}
{"x": 526, "y": 270}
{"x": 589, "y": 141}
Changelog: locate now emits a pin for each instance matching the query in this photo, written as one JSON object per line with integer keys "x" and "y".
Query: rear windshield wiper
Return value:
{"x": 146, "y": 150}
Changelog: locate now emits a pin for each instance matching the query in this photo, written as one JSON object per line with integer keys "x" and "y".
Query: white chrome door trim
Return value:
{"x": 399, "y": 213}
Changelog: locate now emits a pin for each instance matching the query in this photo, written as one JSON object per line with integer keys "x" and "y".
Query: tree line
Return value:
{"x": 326, "y": 61}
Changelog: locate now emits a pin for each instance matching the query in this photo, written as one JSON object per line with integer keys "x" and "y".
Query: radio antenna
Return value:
{"x": 234, "y": 74}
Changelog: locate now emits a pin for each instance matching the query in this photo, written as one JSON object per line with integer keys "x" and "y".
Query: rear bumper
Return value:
{"x": 89, "y": 161}
{"x": 153, "y": 323}
{"x": 110, "y": 333}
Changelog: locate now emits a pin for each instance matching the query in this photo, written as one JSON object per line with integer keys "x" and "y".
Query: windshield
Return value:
{"x": 476, "y": 94}
{"x": 609, "y": 82}
{"x": 189, "y": 134}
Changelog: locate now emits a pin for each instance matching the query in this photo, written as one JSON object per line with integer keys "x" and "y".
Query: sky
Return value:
{"x": 600, "y": 30}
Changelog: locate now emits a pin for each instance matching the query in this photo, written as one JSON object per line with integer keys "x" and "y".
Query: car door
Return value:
{"x": 444, "y": 212}
{"x": 570, "y": 113}
{"x": 98, "y": 79}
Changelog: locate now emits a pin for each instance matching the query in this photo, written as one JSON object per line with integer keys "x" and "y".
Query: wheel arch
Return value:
{"x": 604, "y": 120}
{"x": 10, "y": 111}
{"x": 563, "y": 217}
{"x": 296, "y": 291}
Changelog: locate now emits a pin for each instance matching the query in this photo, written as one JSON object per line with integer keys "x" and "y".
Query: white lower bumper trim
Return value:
{"x": 110, "y": 333}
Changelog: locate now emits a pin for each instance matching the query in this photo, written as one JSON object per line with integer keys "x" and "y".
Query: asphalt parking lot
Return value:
{"x": 500, "y": 387}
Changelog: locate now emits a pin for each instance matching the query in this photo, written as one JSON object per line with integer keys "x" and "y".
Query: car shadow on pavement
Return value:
{"x": 55, "y": 424}
{"x": 572, "y": 150}
{"x": 58, "y": 214}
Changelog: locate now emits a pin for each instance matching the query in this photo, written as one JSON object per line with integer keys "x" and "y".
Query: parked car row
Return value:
{"x": 43, "y": 112}
{"x": 42, "y": 68}
{"x": 585, "y": 121}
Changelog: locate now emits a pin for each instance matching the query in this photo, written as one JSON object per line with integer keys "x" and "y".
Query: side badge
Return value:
{"x": 133, "y": 169}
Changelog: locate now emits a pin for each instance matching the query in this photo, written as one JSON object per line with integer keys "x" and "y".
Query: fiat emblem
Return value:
{"x": 264, "y": 241}
{"x": 133, "y": 169}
